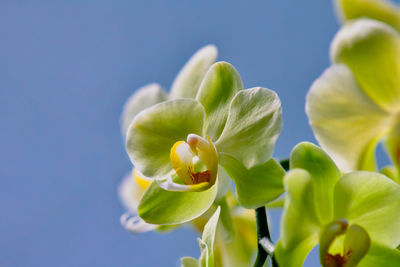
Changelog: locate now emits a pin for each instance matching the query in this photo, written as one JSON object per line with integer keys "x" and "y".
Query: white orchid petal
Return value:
{"x": 169, "y": 185}
{"x": 345, "y": 121}
{"x": 129, "y": 193}
{"x": 135, "y": 224}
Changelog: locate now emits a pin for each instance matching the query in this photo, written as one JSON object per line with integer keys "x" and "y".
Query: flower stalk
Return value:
{"x": 262, "y": 232}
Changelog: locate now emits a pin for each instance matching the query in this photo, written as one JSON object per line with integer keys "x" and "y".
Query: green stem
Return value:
{"x": 285, "y": 164}
{"x": 269, "y": 247}
{"x": 262, "y": 231}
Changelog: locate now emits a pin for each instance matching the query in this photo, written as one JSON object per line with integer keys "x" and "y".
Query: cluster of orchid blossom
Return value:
{"x": 189, "y": 146}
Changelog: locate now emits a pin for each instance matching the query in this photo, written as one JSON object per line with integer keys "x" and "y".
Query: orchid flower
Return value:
{"x": 353, "y": 217}
{"x": 356, "y": 102}
{"x": 382, "y": 10}
{"x": 185, "y": 85}
{"x": 182, "y": 143}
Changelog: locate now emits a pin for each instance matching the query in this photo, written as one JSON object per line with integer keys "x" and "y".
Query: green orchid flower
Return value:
{"x": 185, "y": 84}
{"x": 353, "y": 217}
{"x": 381, "y": 10}
{"x": 183, "y": 144}
{"x": 356, "y": 102}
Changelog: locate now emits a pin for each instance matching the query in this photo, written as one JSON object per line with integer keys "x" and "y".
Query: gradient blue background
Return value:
{"x": 66, "y": 68}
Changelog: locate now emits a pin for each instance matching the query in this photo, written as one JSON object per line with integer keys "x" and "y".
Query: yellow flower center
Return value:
{"x": 183, "y": 153}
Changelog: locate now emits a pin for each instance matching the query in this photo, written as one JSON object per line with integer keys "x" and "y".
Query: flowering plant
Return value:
{"x": 190, "y": 146}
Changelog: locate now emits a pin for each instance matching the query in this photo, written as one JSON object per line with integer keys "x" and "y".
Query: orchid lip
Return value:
{"x": 194, "y": 162}
{"x": 197, "y": 148}
{"x": 356, "y": 244}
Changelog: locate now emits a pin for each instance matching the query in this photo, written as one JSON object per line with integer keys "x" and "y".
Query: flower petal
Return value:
{"x": 371, "y": 49}
{"x": 257, "y": 186}
{"x": 156, "y": 129}
{"x": 206, "y": 244}
{"x": 299, "y": 225}
{"x": 345, "y": 121}
{"x": 208, "y": 236}
{"x": 372, "y": 201}
{"x": 219, "y": 86}
{"x": 189, "y": 262}
{"x": 159, "y": 206}
{"x": 226, "y": 221}
{"x": 142, "y": 98}
{"x": 131, "y": 190}
{"x": 356, "y": 244}
{"x": 135, "y": 224}
{"x": 392, "y": 172}
{"x": 207, "y": 152}
{"x": 182, "y": 161}
{"x": 187, "y": 83}
{"x": 224, "y": 183}
{"x": 240, "y": 250}
{"x": 203, "y": 259}
{"x": 323, "y": 174}
{"x": 375, "y": 9}
{"x": 392, "y": 144}
{"x": 253, "y": 126}
{"x": 380, "y": 255}
{"x": 328, "y": 235}
{"x": 169, "y": 184}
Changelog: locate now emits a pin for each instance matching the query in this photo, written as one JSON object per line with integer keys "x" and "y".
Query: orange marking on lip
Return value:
{"x": 336, "y": 260}
{"x": 201, "y": 177}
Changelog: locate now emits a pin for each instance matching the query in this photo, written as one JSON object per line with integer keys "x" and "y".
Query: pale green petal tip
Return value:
{"x": 371, "y": 49}
{"x": 382, "y": 10}
{"x": 306, "y": 155}
{"x": 253, "y": 125}
{"x": 188, "y": 81}
{"x": 141, "y": 99}
{"x": 358, "y": 31}
{"x": 217, "y": 89}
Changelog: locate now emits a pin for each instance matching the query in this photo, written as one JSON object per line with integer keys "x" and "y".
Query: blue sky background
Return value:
{"x": 66, "y": 68}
